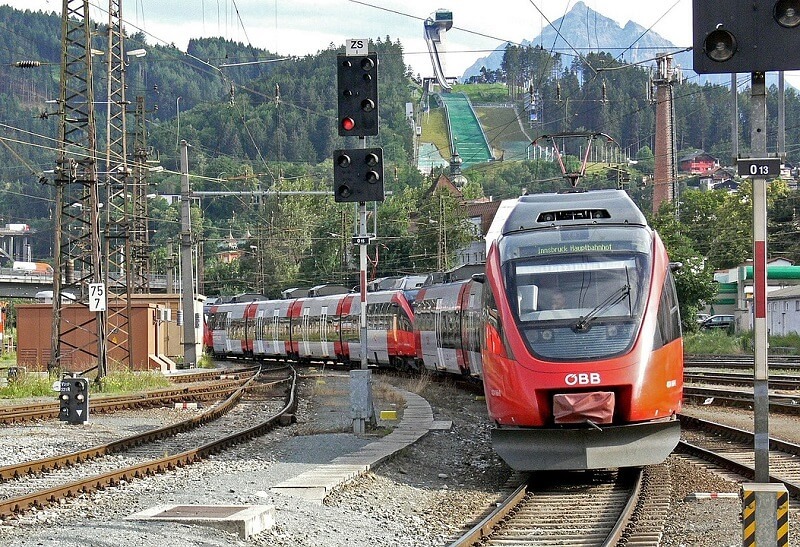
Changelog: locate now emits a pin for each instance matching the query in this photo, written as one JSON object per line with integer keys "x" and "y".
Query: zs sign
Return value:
{"x": 356, "y": 46}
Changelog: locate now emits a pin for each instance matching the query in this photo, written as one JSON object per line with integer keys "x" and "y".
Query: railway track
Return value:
{"x": 250, "y": 411}
{"x": 589, "y": 509}
{"x": 788, "y": 363}
{"x": 206, "y": 390}
{"x": 776, "y": 381}
{"x": 784, "y": 404}
{"x": 732, "y": 449}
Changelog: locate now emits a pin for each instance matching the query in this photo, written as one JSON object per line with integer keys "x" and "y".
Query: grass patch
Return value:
{"x": 388, "y": 394}
{"x": 500, "y": 124}
{"x": 720, "y": 342}
{"x": 434, "y": 130}
{"x": 419, "y": 383}
{"x": 125, "y": 381}
{"x": 715, "y": 342}
{"x": 29, "y": 385}
{"x": 8, "y": 359}
{"x": 483, "y": 93}
{"x": 788, "y": 344}
{"x": 206, "y": 361}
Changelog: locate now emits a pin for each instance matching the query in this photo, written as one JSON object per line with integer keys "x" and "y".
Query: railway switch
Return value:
{"x": 73, "y": 400}
{"x": 357, "y": 85}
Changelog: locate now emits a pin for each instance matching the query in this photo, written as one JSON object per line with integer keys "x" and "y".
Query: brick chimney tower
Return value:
{"x": 664, "y": 176}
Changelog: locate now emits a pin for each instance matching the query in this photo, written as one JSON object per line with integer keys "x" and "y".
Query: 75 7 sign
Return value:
{"x": 97, "y": 297}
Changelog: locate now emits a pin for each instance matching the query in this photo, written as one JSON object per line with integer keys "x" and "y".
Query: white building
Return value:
{"x": 783, "y": 311}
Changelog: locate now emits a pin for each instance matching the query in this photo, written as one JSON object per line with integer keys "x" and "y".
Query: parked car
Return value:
{"x": 700, "y": 317}
{"x": 718, "y": 322}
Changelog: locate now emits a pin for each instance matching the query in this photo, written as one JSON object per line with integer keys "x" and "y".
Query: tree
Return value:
{"x": 694, "y": 281}
{"x": 646, "y": 161}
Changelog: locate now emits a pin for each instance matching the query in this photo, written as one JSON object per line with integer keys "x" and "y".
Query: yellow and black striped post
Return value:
{"x": 765, "y": 515}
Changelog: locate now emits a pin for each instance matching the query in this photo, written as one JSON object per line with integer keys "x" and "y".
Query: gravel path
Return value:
{"x": 424, "y": 496}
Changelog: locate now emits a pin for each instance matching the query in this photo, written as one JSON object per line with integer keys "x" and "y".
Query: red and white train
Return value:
{"x": 596, "y": 383}
{"x": 323, "y": 328}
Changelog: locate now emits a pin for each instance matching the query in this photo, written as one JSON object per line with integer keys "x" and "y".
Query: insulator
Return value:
{"x": 27, "y": 64}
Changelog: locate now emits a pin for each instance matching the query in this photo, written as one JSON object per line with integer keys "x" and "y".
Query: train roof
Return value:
{"x": 565, "y": 209}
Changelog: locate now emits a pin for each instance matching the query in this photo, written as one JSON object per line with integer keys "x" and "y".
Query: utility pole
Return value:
{"x": 187, "y": 279}
{"x": 754, "y": 37}
{"x": 76, "y": 252}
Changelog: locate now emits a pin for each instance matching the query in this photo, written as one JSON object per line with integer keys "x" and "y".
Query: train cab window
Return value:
{"x": 578, "y": 296}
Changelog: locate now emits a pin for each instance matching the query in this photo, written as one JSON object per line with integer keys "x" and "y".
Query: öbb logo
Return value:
{"x": 582, "y": 379}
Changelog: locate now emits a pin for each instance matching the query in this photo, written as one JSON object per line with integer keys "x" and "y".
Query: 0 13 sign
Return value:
{"x": 97, "y": 297}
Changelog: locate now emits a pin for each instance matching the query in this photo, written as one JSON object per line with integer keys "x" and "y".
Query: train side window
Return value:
{"x": 669, "y": 322}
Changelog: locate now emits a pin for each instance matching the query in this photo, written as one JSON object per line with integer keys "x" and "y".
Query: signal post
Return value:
{"x": 358, "y": 178}
{"x": 755, "y": 36}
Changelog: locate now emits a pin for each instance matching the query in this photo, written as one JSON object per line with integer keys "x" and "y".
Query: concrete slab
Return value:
{"x": 244, "y": 520}
{"x": 317, "y": 483}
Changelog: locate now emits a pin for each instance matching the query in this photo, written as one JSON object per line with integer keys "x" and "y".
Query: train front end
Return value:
{"x": 582, "y": 349}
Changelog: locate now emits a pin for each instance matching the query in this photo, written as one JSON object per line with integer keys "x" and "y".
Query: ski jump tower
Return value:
{"x": 435, "y": 28}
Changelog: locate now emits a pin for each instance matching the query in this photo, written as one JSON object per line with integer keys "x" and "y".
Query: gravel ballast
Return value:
{"x": 424, "y": 496}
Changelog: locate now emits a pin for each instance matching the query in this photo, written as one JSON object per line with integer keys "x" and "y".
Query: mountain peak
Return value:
{"x": 582, "y": 30}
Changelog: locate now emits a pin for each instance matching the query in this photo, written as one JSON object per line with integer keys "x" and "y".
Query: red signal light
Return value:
{"x": 348, "y": 124}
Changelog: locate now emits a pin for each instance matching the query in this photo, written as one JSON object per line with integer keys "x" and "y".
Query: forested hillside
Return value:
{"x": 259, "y": 122}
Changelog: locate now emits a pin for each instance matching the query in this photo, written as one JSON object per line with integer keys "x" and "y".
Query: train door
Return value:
{"x": 471, "y": 328}
{"x": 323, "y": 331}
{"x": 351, "y": 327}
{"x": 305, "y": 346}
{"x": 378, "y": 326}
{"x": 439, "y": 327}
{"x": 274, "y": 332}
{"x": 218, "y": 324}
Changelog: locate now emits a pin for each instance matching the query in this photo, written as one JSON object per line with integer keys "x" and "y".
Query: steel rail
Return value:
{"x": 735, "y": 435}
{"x": 39, "y": 411}
{"x": 9, "y": 507}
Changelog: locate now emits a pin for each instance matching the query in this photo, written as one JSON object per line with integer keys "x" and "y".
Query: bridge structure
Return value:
{"x": 17, "y": 284}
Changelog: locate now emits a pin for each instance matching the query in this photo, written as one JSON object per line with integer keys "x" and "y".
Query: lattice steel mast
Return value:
{"x": 139, "y": 231}
{"x": 77, "y": 235}
{"x": 118, "y": 256}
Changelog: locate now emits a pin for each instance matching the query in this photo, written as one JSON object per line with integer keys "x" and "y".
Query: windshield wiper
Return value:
{"x": 614, "y": 298}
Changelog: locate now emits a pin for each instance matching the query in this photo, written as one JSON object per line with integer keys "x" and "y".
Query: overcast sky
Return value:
{"x": 298, "y": 27}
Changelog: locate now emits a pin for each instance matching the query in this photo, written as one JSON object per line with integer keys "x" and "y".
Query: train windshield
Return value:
{"x": 578, "y": 293}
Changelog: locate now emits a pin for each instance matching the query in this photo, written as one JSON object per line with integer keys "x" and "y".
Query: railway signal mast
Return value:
{"x": 754, "y": 36}
{"x": 358, "y": 178}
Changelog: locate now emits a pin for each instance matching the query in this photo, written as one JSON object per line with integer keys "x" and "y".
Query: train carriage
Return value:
{"x": 390, "y": 336}
{"x": 447, "y": 327}
{"x": 597, "y": 382}
{"x": 271, "y": 328}
{"x": 227, "y": 323}
{"x": 315, "y": 324}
